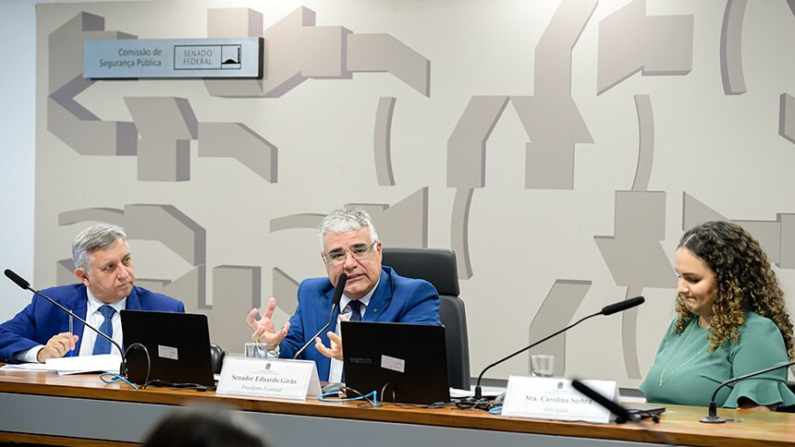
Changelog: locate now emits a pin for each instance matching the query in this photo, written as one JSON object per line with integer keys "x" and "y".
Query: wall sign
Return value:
{"x": 173, "y": 58}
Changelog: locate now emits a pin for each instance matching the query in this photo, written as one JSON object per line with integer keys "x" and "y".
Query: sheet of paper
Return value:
{"x": 86, "y": 364}
{"x": 74, "y": 365}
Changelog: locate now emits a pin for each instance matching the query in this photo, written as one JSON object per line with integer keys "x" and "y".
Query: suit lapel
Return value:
{"x": 323, "y": 308}
{"x": 381, "y": 298}
{"x": 133, "y": 303}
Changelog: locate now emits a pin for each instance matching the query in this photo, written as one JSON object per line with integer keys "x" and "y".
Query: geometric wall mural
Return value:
{"x": 559, "y": 148}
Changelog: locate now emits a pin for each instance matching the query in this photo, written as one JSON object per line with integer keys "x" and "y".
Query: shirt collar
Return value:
{"x": 94, "y": 303}
{"x": 364, "y": 300}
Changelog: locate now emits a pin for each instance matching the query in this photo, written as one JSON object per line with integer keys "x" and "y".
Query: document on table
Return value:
{"x": 74, "y": 365}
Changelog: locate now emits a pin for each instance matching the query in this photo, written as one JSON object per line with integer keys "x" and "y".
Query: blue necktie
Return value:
{"x": 356, "y": 310}
{"x": 101, "y": 345}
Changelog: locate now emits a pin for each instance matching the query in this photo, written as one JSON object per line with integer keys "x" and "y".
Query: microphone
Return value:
{"x": 622, "y": 306}
{"x": 18, "y": 280}
{"x": 622, "y": 414}
{"x": 712, "y": 417}
{"x": 335, "y": 303}
{"x": 607, "y": 310}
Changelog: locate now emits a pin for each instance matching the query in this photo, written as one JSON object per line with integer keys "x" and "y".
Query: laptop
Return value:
{"x": 402, "y": 362}
{"x": 178, "y": 346}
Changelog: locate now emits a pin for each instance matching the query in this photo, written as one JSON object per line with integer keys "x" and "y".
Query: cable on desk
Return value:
{"x": 363, "y": 397}
{"x": 497, "y": 409}
{"x": 116, "y": 378}
{"x": 148, "y": 360}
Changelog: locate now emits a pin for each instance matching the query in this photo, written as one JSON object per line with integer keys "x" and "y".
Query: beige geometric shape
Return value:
{"x": 108, "y": 215}
{"x": 645, "y": 143}
{"x": 556, "y": 312}
{"x": 296, "y": 221}
{"x": 554, "y": 125}
{"x": 771, "y": 235}
{"x": 285, "y": 290}
{"x": 383, "y": 141}
{"x": 695, "y": 212}
{"x": 235, "y": 22}
{"x": 634, "y": 255}
{"x": 296, "y": 50}
{"x": 786, "y": 121}
{"x": 552, "y": 73}
{"x": 404, "y": 224}
{"x": 170, "y": 226}
{"x": 166, "y": 125}
{"x": 767, "y": 233}
{"x": 466, "y": 147}
{"x": 236, "y": 290}
{"x": 786, "y": 259}
{"x": 459, "y": 231}
{"x": 72, "y": 123}
{"x": 550, "y": 117}
{"x": 238, "y": 141}
{"x": 374, "y": 53}
{"x": 630, "y": 41}
{"x": 731, "y": 48}
{"x": 190, "y": 288}
{"x": 629, "y": 335}
{"x": 64, "y": 272}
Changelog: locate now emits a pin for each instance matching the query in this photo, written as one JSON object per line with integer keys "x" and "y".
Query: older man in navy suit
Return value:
{"x": 349, "y": 243}
{"x": 107, "y": 285}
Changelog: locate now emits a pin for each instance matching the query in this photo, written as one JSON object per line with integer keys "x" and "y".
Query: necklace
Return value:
{"x": 662, "y": 375}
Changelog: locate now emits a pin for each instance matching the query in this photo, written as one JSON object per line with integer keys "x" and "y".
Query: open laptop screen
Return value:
{"x": 178, "y": 346}
{"x": 409, "y": 360}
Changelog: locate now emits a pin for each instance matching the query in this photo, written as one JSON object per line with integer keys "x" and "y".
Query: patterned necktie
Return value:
{"x": 101, "y": 345}
{"x": 356, "y": 310}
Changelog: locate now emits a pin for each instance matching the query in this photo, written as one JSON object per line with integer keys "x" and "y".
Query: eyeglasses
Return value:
{"x": 359, "y": 252}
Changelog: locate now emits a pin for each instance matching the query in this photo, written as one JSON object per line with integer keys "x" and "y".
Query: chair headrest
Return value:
{"x": 437, "y": 266}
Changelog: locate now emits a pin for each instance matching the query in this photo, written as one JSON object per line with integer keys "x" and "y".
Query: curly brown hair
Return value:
{"x": 744, "y": 281}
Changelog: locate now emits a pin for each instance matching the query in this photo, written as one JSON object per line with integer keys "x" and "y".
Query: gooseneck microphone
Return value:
{"x": 607, "y": 310}
{"x": 712, "y": 417}
{"x": 622, "y": 414}
{"x": 18, "y": 280}
{"x": 335, "y": 303}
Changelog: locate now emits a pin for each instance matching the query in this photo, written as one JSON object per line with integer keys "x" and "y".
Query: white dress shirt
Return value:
{"x": 94, "y": 318}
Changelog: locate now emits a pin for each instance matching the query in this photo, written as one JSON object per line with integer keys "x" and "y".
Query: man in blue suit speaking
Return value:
{"x": 103, "y": 264}
{"x": 349, "y": 244}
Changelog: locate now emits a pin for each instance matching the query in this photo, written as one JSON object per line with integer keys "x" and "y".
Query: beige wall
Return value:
{"x": 559, "y": 147}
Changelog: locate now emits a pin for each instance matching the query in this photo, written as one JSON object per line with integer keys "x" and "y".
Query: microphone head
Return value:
{"x": 17, "y": 279}
{"x": 623, "y": 305}
{"x": 339, "y": 289}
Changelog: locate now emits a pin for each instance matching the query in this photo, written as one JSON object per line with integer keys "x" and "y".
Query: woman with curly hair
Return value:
{"x": 731, "y": 321}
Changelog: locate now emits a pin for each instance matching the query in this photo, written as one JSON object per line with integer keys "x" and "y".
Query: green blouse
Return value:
{"x": 686, "y": 373}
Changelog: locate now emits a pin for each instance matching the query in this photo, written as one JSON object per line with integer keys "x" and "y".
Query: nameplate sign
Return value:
{"x": 173, "y": 58}
{"x": 555, "y": 399}
{"x": 274, "y": 378}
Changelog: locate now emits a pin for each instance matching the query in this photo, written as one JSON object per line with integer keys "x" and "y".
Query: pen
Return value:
{"x": 71, "y": 352}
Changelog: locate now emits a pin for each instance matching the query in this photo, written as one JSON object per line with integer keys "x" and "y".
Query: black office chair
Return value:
{"x": 217, "y": 355}
{"x": 438, "y": 267}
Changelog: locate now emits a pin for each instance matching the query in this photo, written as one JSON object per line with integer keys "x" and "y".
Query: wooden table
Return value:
{"x": 82, "y": 410}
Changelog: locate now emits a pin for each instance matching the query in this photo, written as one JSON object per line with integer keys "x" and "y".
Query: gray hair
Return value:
{"x": 343, "y": 220}
{"x": 95, "y": 237}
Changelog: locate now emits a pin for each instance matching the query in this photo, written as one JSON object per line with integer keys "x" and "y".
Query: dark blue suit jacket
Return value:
{"x": 40, "y": 320}
{"x": 396, "y": 299}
